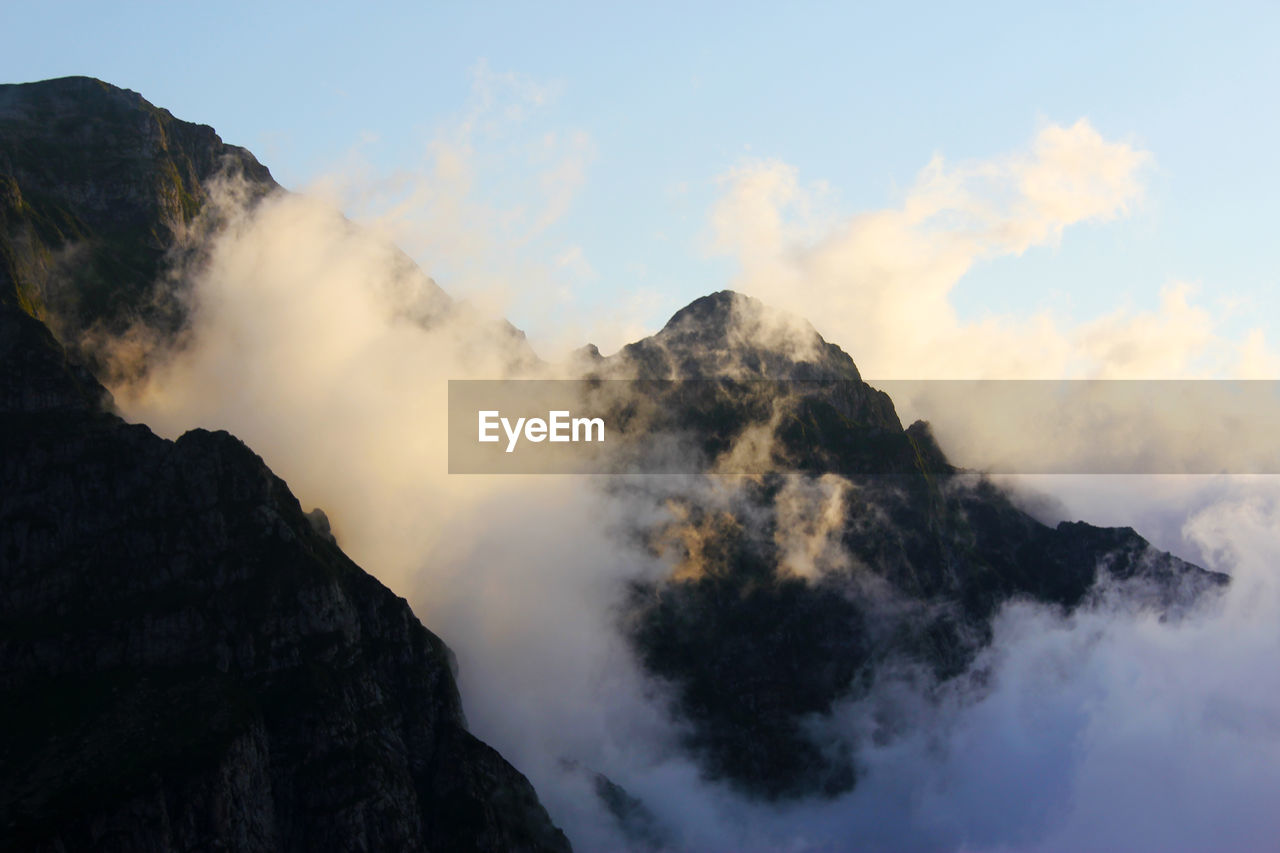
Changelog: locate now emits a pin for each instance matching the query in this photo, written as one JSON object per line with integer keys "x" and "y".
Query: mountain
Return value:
{"x": 852, "y": 553}
{"x": 187, "y": 660}
{"x": 97, "y": 187}
{"x": 727, "y": 363}
{"x": 105, "y": 201}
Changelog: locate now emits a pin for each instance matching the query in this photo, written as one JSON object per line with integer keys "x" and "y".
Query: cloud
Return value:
{"x": 1171, "y": 341}
{"x": 313, "y": 342}
{"x": 307, "y": 341}
{"x": 1107, "y": 730}
{"x": 316, "y": 343}
{"x": 880, "y": 283}
{"x": 481, "y": 205}
{"x": 1055, "y": 748}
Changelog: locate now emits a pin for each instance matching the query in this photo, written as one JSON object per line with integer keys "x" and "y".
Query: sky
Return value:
{"x": 941, "y": 189}
{"x": 596, "y": 139}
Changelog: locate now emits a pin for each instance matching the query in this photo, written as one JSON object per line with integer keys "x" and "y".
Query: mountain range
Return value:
{"x": 189, "y": 661}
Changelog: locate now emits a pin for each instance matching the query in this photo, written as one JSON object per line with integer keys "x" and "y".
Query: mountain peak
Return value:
{"x": 727, "y": 334}
{"x": 87, "y": 250}
{"x": 71, "y": 88}
{"x": 715, "y": 307}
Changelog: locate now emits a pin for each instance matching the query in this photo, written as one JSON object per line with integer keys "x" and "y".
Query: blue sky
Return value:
{"x": 657, "y": 103}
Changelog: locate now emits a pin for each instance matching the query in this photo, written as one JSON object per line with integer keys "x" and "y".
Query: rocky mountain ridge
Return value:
{"x": 186, "y": 662}
{"x": 106, "y": 204}
{"x": 853, "y": 550}
{"x": 97, "y": 187}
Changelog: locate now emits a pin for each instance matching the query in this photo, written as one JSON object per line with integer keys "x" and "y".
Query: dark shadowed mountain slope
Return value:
{"x": 185, "y": 663}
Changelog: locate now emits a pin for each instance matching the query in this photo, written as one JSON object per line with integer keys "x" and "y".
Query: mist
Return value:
{"x": 1113, "y": 728}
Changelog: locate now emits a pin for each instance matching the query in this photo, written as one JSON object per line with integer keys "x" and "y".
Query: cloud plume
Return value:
{"x": 881, "y": 283}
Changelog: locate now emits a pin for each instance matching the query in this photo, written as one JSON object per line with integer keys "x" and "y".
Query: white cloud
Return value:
{"x": 880, "y": 283}
{"x": 479, "y": 207}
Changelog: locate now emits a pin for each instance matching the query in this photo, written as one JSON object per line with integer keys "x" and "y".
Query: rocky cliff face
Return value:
{"x": 97, "y": 187}
{"x": 186, "y": 664}
{"x": 186, "y": 661}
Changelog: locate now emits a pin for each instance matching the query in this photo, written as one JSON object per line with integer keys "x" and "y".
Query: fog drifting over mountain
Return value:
{"x": 1110, "y": 729}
